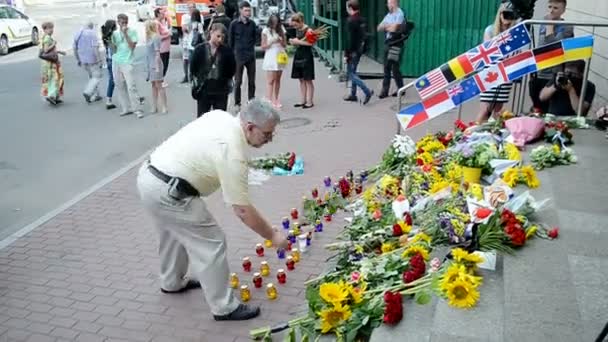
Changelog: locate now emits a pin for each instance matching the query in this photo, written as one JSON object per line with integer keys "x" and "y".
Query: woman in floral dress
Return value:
{"x": 51, "y": 71}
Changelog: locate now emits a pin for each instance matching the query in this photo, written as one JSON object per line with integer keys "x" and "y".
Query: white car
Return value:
{"x": 145, "y": 8}
{"x": 16, "y": 29}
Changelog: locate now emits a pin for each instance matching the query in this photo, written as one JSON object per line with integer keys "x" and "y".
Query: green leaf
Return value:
{"x": 423, "y": 297}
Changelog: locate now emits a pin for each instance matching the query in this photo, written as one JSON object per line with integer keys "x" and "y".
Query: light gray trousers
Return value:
{"x": 94, "y": 73}
{"x": 189, "y": 236}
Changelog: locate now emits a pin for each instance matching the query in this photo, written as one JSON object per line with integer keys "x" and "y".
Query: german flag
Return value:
{"x": 549, "y": 55}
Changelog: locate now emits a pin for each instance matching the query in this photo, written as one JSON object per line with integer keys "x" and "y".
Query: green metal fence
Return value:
{"x": 444, "y": 29}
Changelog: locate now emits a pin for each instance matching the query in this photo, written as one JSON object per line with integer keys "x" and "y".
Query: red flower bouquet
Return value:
{"x": 393, "y": 310}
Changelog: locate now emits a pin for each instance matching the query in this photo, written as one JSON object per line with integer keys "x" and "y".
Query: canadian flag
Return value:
{"x": 491, "y": 77}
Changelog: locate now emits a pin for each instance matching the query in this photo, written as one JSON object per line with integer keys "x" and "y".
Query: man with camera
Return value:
{"x": 562, "y": 93}
{"x": 549, "y": 34}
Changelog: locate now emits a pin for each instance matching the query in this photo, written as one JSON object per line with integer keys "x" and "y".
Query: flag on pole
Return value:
{"x": 431, "y": 83}
{"x": 513, "y": 39}
{"x": 519, "y": 65}
{"x": 412, "y": 116}
{"x": 468, "y": 90}
{"x": 549, "y": 55}
{"x": 578, "y": 48}
{"x": 438, "y": 104}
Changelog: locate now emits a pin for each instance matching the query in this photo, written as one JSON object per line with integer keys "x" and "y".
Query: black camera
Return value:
{"x": 509, "y": 15}
{"x": 561, "y": 80}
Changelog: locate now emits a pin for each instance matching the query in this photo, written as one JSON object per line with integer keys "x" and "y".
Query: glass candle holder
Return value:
{"x": 327, "y": 181}
{"x": 294, "y": 213}
{"x": 281, "y": 276}
{"x": 296, "y": 228}
{"x": 245, "y": 293}
{"x": 289, "y": 246}
{"x": 234, "y": 281}
{"x": 285, "y": 223}
{"x": 271, "y": 291}
{"x": 246, "y": 264}
{"x": 257, "y": 280}
{"x": 318, "y": 226}
{"x": 268, "y": 243}
{"x": 315, "y": 193}
{"x": 259, "y": 250}
{"x": 281, "y": 253}
{"x": 302, "y": 243}
{"x": 290, "y": 263}
{"x": 264, "y": 269}
{"x": 308, "y": 239}
{"x": 291, "y": 235}
{"x": 295, "y": 254}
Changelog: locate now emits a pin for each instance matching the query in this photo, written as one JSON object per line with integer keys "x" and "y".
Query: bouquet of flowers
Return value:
{"x": 284, "y": 161}
{"x": 397, "y": 158}
{"x": 549, "y": 156}
{"x": 560, "y": 129}
{"x": 476, "y": 155}
{"x": 521, "y": 175}
{"x": 313, "y": 35}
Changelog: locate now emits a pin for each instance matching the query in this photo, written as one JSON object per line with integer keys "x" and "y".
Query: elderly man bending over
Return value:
{"x": 208, "y": 153}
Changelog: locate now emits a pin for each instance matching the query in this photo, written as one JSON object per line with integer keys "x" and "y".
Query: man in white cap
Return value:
{"x": 208, "y": 153}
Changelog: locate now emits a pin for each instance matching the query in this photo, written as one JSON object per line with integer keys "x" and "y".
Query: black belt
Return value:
{"x": 182, "y": 185}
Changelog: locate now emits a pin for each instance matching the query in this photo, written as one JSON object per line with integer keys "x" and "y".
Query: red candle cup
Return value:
{"x": 294, "y": 213}
{"x": 259, "y": 250}
{"x": 257, "y": 280}
{"x": 281, "y": 276}
{"x": 290, "y": 263}
{"x": 246, "y": 264}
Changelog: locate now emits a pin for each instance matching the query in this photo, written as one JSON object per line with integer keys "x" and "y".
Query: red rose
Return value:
{"x": 409, "y": 276}
{"x": 420, "y": 151}
{"x": 419, "y": 162}
{"x": 393, "y": 310}
{"x": 417, "y": 263}
{"x": 291, "y": 161}
{"x": 407, "y": 218}
{"x": 553, "y": 233}
{"x": 460, "y": 125}
{"x": 509, "y": 229}
{"x": 518, "y": 237}
{"x": 397, "y": 231}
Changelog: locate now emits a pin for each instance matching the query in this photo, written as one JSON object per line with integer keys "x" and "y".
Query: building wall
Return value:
{"x": 596, "y": 11}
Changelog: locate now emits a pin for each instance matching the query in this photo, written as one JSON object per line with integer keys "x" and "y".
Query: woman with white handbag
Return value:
{"x": 275, "y": 57}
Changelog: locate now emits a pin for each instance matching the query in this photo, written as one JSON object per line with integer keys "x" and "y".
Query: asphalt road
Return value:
{"x": 49, "y": 155}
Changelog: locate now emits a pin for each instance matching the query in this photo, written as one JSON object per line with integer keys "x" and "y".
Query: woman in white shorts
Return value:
{"x": 274, "y": 42}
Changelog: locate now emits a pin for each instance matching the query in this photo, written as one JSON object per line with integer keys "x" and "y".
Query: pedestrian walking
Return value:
{"x": 186, "y": 19}
{"x": 492, "y": 101}
{"x": 220, "y": 17}
{"x": 165, "y": 39}
{"x": 394, "y": 26}
{"x": 88, "y": 56}
{"x": 154, "y": 67}
{"x": 51, "y": 70}
{"x": 275, "y": 57}
{"x": 124, "y": 41}
{"x": 303, "y": 62}
{"x": 107, "y": 30}
{"x": 213, "y": 66}
{"x": 242, "y": 37}
{"x": 357, "y": 32}
{"x": 208, "y": 153}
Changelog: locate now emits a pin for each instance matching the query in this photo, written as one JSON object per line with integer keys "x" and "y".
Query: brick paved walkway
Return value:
{"x": 90, "y": 273}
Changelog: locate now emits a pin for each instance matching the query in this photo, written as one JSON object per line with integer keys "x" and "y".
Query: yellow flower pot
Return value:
{"x": 471, "y": 174}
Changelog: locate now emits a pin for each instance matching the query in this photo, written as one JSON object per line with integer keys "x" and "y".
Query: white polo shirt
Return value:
{"x": 209, "y": 153}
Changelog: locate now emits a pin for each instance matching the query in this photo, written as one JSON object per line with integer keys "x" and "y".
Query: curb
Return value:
{"x": 48, "y": 216}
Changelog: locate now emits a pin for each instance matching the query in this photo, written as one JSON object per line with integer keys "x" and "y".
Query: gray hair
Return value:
{"x": 90, "y": 24}
{"x": 259, "y": 112}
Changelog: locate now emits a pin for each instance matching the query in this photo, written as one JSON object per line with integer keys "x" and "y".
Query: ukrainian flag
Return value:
{"x": 578, "y": 48}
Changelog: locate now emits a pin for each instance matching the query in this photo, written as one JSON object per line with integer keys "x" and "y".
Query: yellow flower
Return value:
{"x": 332, "y": 317}
{"x": 356, "y": 293}
{"x": 421, "y": 237}
{"x": 438, "y": 186}
{"x": 512, "y": 152}
{"x": 556, "y": 149}
{"x": 415, "y": 249}
{"x": 506, "y": 115}
{"x": 458, "y": 271}
{"x": 511, "y": 176}
{"x": 454, "y": 172}
{"x": 359, "y": 249}
{"x": 387, "y": 247}
{"x": 531, "y": 231}
{"x": 404, "y": 227}
{"x": 458, "y": 226}
{"x": 426, "y": 157}
{"x": 433, "y": 146}
{"x": 476, "y": 190}
{"x": 458, "y": 213}
{"x": 529, "y": 175}
{"x": 462, "y": 294}
{"x": 332, "y": 292}
{"x": 460, "y": 255}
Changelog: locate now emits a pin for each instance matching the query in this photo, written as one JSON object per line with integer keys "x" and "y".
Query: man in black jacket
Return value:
{"x": 241, "y": 38}
{"x": 357, "y": 33}
{"x": 394, "y": 26}
{"x": 212, "y": 67}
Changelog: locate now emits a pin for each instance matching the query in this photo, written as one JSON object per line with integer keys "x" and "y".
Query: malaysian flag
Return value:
{"x": 430, "y": 83}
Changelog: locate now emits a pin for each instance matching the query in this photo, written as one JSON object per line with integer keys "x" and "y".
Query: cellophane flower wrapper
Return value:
{"x": 525, "y": 204}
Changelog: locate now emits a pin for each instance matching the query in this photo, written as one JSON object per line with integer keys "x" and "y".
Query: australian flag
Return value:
{"x": 512, "y": 40}
{"x": 467, "y": 90}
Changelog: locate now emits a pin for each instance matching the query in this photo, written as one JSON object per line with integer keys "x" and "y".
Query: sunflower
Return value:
{"x": 387, "y": 247}
{"x": 462, "y": 294}
{"x": 415, "y": 249}
{"x": 405, "y": 228}
{"x": 462, "y": 256}
{"x": 476, "y": 190}
{"x": 332, "y": 317}
{"x": 530, "y": 176}
{"x": 426, "y": 158}
{"x": 511, "y": 176}
{"x": 332, "y": 293}
{"x": 512, "y": 152}
{"x": 421, "y": 237}
{"x": 455, "y": 272}
{"x": 438, "y": 186}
